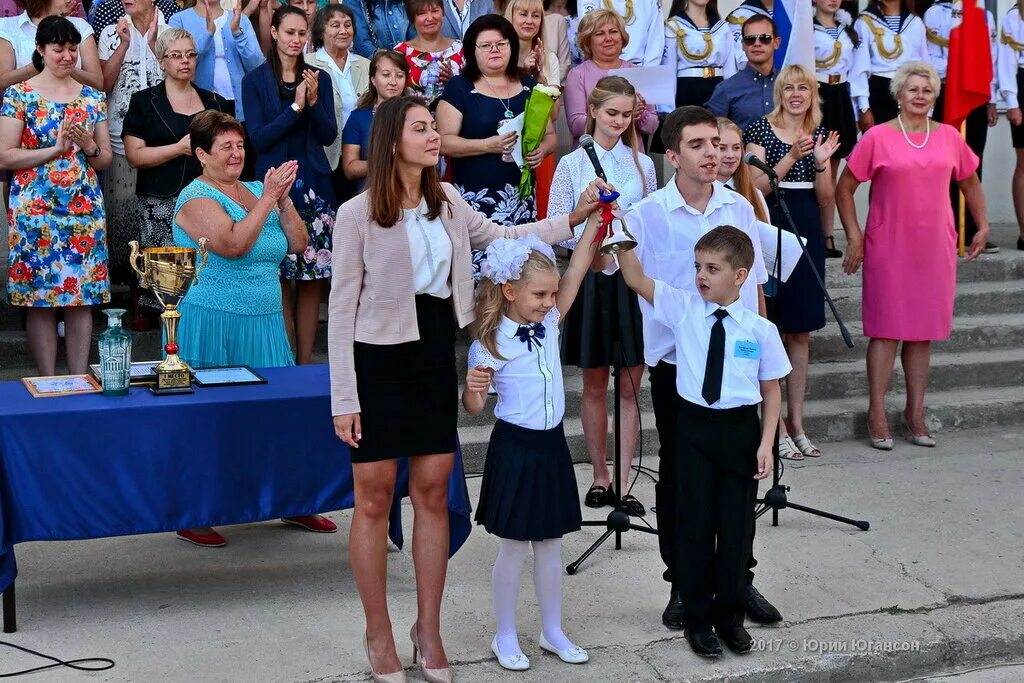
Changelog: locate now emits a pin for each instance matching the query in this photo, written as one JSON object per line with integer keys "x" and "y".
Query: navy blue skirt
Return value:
{"x": 799, "y": 305}
{"x": 529, "y": 488}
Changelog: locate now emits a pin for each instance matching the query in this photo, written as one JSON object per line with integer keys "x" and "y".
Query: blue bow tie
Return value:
{"x": 531, "y": 334}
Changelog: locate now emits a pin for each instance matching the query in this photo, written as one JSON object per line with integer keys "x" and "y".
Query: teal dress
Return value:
{"x": 234, "y": 315}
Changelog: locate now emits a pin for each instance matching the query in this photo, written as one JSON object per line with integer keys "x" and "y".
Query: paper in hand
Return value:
{"x": 514, "y": 125}
{"x": 791, "y": 250}
{"x": 657, "y": 84}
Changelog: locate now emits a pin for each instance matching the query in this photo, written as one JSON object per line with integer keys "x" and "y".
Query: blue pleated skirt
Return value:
{"x": 529, "y": 488}
{"x": 208, "y": 338}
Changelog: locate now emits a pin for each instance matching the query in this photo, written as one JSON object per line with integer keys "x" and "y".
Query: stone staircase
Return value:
{"x": 977, "y": 375}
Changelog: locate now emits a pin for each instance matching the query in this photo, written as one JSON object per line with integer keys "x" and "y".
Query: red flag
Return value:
{"x": 969, "y": 70}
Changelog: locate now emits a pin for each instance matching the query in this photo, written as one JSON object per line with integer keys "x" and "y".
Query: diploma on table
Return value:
{"x": 657, "y": 84}
{"x": 791, "y": 250}
{"x": 514, "y": 125}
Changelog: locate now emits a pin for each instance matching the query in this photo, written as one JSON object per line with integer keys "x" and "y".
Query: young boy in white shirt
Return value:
{"x": 729, "y": 360}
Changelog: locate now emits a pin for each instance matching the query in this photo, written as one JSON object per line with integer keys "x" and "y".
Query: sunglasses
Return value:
{"x": 764, "y": 39}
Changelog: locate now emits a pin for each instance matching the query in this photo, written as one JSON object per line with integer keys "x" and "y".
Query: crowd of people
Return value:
{"x": 296, "y": 138}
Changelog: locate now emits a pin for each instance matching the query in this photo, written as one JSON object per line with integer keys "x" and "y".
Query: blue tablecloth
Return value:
{"x": 91, "y": 466}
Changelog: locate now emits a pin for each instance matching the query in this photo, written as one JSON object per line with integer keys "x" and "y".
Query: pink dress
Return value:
{"x": 910, "y": 238}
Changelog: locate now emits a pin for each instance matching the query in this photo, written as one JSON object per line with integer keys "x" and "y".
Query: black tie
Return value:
{"x": 712, "y": 389}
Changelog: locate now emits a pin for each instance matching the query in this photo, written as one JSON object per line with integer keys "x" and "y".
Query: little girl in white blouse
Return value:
{"x": 528, "y": 492}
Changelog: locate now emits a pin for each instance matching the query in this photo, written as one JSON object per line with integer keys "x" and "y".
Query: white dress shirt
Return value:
{"x": 529, "y": 380}
{"x": 849, "y": 65}
{"x": 431, "y": 252}
{"x": 680, "y": 32}
{"x": 912, "y": 45}
{"x": 644, "y": 20}
{"x": 939, "y": 21}
{"x": 666, "y": 228}
{"x": 575, "y": 172}
{"x": 1010, "y": 56}
{"x": 753, "y": 348}
{"x": 20, "y": 32}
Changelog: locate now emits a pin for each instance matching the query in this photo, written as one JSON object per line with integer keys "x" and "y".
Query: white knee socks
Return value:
{"x": 547, "y": 581}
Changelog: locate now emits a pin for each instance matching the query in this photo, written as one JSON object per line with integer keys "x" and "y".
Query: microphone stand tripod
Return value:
{"x": 775, "y": 498}
{"x": 618, "y": 520}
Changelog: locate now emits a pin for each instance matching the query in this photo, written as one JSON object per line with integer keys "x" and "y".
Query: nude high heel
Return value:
{"x": 926, "y": 440}
{"x": 396, "y": 677}
{"x": 431, "y": 675}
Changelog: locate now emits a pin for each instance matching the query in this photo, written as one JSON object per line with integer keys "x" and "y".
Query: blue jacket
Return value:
{"x": 279, "y": 133}
{"x": 391, "y": 25}
{"x": 241, "y": 50}
{"x": 451, "y": 27}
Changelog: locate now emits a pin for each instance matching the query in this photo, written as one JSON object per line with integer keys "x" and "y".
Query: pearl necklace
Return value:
{"x": 927, "y": 132}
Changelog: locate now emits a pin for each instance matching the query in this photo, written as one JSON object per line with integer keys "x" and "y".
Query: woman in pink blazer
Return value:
{"x": 402, "y": 287}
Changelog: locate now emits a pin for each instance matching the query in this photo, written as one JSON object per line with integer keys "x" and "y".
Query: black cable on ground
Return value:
{"x": 101, "y": 663}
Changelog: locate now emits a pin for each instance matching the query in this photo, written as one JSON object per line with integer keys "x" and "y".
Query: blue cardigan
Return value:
{"x": 279, "y": 133}
{"x": 241, "y": 50}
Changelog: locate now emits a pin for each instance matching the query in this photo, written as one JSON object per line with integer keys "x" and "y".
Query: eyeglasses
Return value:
{"x": 499, "y": 46}
{"x": 764, "y": 39}
{"x": 175, "y": 56}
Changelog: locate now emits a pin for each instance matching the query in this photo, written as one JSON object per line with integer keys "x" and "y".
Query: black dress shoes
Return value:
{"x": 672, "y": 617}
{"x": 735, "y": 638}
{"x": 704, "y": 643}
{"x": 759, "y": 609}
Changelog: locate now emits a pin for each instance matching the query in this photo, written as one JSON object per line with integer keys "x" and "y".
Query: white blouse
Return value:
{"x": 140, "y": 70}
{"x": 838, "y": 58}
{"x": 529, "y": 381}
{"x": 1011, "y": 56}
{"x": 20, "y": 32}
{"x": 689, "y": 49}
{"x": 889, "y": 50}
{"x": 574, "y": 172}
{"x": 431, "y": 252}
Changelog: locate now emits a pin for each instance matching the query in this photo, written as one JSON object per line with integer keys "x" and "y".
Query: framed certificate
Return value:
{"x": 142, "y": 372}
{"x": 61, "y": 385}
{"x": 227, "y": 376}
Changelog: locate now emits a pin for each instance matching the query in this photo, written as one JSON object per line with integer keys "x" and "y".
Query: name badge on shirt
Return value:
{"x": 748, "y": 349}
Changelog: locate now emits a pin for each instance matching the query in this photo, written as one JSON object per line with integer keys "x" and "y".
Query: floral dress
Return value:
{"x": 314, "y": 263}
{"x": 488, "y": 184}
{"x": 419, "y": 63}
{"x": 57, "y": 242}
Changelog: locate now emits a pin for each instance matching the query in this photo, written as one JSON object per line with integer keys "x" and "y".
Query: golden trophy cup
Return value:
{"x": 169, "y": 272}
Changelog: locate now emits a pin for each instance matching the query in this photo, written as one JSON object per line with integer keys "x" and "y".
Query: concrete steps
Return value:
{"x": 977, "y": 376}
{"x": 826, "y": 420}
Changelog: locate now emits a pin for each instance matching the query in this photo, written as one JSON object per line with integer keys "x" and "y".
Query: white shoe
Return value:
{"x": 572, "y": 655}
{"x": 518, "y": 662}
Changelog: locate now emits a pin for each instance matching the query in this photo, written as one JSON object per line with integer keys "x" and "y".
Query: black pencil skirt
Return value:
{"x": 882, "y": 103}
{"x": 837, "y": 114}
{"x": 1017, "y": 132}
{"x": 408, "y": 393}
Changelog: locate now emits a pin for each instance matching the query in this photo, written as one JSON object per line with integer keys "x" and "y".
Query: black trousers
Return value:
{"x": 671, "y": 520}
{"x": 977, "y": 134}
{"x": 716, "y": 454}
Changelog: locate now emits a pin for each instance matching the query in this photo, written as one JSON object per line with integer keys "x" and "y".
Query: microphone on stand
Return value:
{"x": 752, "y": 159}
{"x": 587, "y": 143}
